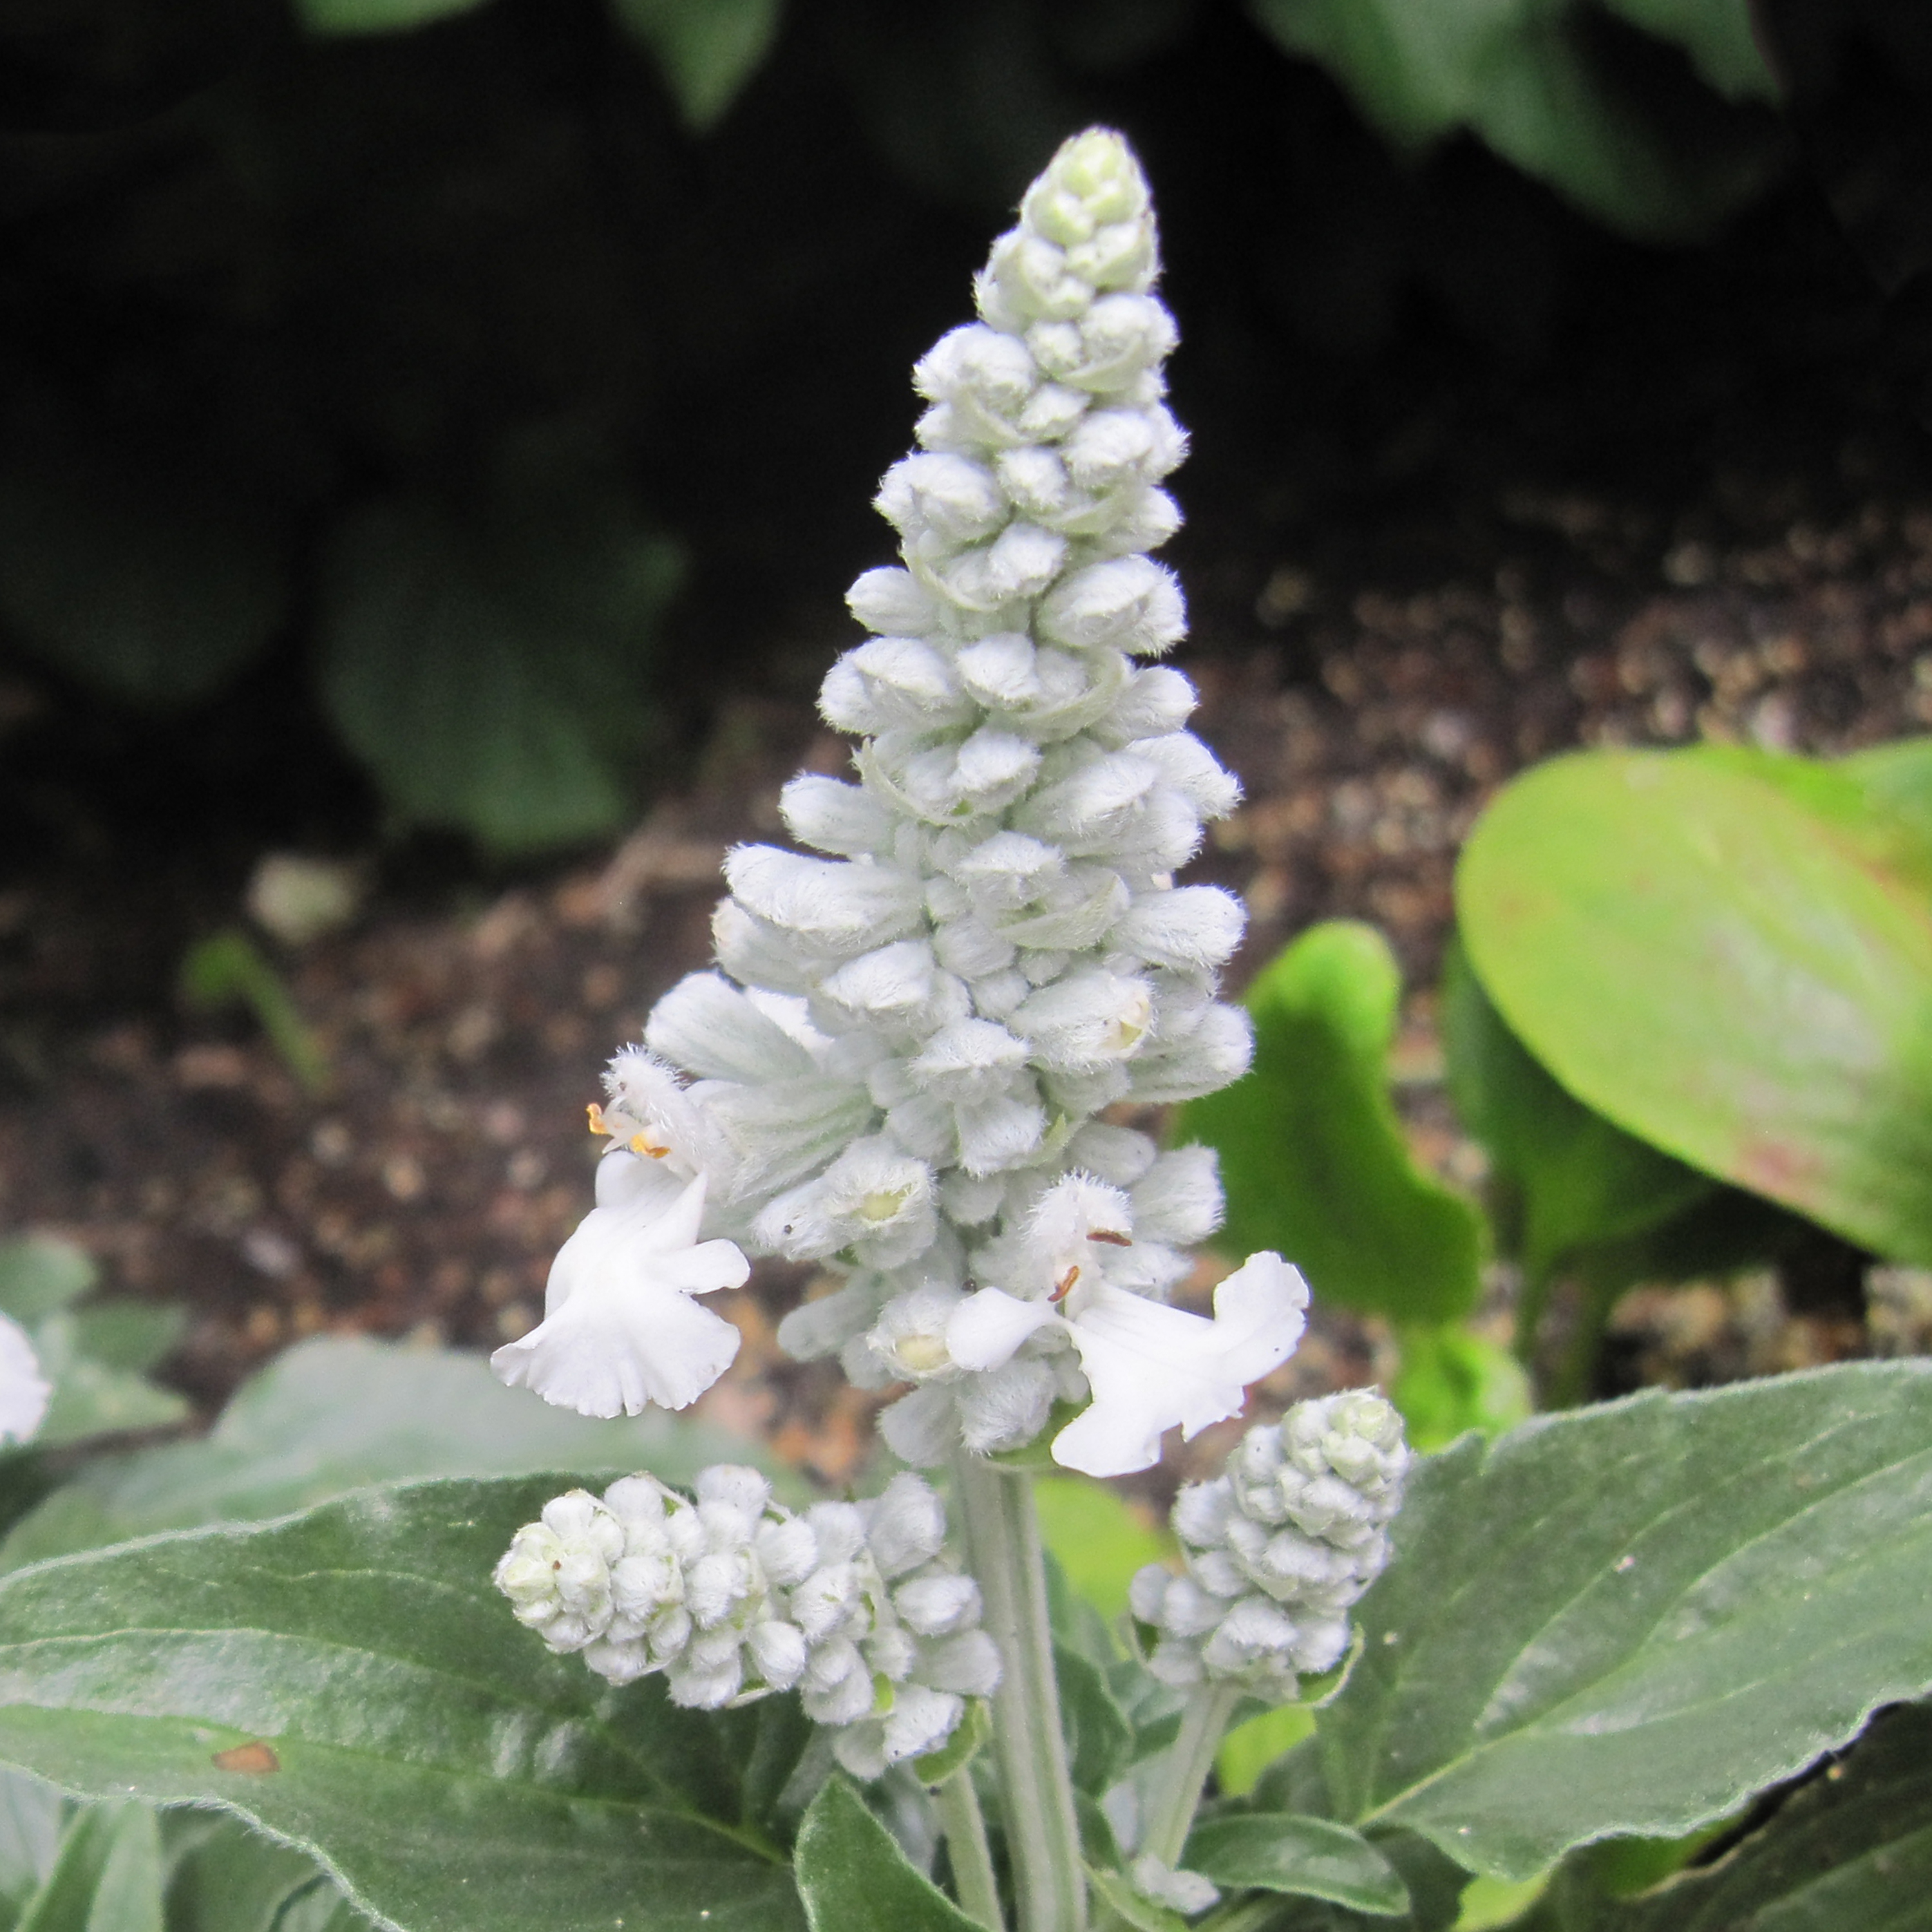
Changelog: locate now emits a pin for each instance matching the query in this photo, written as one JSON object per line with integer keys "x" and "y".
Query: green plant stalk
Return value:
{"x": 972, "y": 1857}
{"x": 1004, "y": 1552}
{"x": 1203, "y": 1725}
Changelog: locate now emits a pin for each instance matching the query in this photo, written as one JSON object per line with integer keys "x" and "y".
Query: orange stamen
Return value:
{"x": 596, "y": 1113}
{"x": 1065, "y": 1282}
{"x": 641, "y": 1143}
{"x": 1112, "y": 1240}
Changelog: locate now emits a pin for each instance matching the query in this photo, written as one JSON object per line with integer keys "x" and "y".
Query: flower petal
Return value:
{"x": 614, "y": 1353}
{"x": 986, "y": 1328}
{"x": 24, "y": 1392}
{"x": 1151, "y": 1367}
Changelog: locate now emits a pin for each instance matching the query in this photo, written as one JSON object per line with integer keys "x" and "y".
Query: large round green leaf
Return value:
{"x": 1738, "y": 974}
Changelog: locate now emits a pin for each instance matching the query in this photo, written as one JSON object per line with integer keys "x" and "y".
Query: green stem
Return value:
{"x": 1036, "y": 1794}
{"x": 966, "y": 1843}
{"x": 1203, "y": 1724}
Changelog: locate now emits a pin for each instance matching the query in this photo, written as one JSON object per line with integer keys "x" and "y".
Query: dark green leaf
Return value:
{"x": 853, "y": 1877}
{"x": 1577, "y": 1180}
{"x": 1851, "y": 1851}
{"x": 377, "y": 16}
{"x": 495, "y": 681}
{"x": 130, "y": 1336}
{"x": 1627, "y": 1619}
{"x": 90, "y": 1398}
{"x": 106, "y": 1876}
{"x": 350, "y": 1680}
{"x": 334, "y": 1412}
{"x": 1312, "y": 1156}
{"x": 1723, "y": 972}
{"x": 148, "y": 590}
{"x": 1521, "y": 75}
{"x": 706, "y": 49}
{"x": 1274, "y": 1852}
{"x": 1099, "y": 1740}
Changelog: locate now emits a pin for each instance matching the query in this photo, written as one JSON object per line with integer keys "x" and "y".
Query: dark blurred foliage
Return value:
{"x": 346, "y": 344}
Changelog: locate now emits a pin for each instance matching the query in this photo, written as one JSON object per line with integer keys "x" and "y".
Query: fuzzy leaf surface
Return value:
{"x": 853, "y": 1877}
{"x": 1271, "y": 1851}
{"x": 374, "y": 1704}
{"x": 1625, "y": 1620}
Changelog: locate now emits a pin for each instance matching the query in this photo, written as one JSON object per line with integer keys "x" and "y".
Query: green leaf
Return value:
{"x": 1453, "y": 1380}
{"x": 377, "y": 16}
{"x": 1626, "y": 1619}
{"x": 970, "y": 1736}
{"x": 1721, "y": 971}
{"x": 106, "y": 1876}
{"x": 1099, "y": 1538}
{"x": 1312, "y": 1156}
{"x": 1099, "y": 1740}
{"x": 40, "y": 1275}
{"x": 349, "y": 1680}
{"x": 853, "y": 1877}
{"x": 1578, "y": 1180}
{"x": 494, "y": 679}
{"x": 146, "y": 589}
{"x": 130, "y": 1336}
{"x": 1272, "y": 1852}
{"x": 1522, "y": 75}
{"x": 337, "y": 1411}
{"x": 1853, "y": 1849}
{"x": 33, "y": 1818}
{"x": 706, "y": 49}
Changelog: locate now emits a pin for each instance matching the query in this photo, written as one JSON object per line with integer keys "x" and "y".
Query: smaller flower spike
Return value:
{"x": 731, "y": 1597}
{"x": 1278, "y": 1548}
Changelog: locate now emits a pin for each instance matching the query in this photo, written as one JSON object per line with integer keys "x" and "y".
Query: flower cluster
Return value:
{"x": 732, "y": 1597}
{"x": 1278, "y": 1547}
{"x": 898, "y": 1071}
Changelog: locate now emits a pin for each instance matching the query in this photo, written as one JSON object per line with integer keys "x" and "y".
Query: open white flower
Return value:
{"x": 619, "y": 1329}
{"x": 24, "y": 1391}
{"x": 1150, "y": 1367}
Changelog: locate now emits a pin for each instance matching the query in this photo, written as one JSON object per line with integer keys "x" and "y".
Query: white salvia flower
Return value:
{"x": 1187, "y": 1892}
{"x": 1278, "y": 1548}
{"x": 730, "y": 1597}
{"x": 620, "y": 1330}
{"x": 896, "y": 1070}
{"x": 24, "y": 1392}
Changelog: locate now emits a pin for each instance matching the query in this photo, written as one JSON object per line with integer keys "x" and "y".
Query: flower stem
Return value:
{"x": 1036, "y": 1794}
{"x": 1210, "y": 1705}
{"x": 966, "y": 1844}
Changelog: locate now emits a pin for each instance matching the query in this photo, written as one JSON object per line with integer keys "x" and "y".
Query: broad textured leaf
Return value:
{"x": 1625, "y": 1620}
{"x": 334, "y": 1412}
{"x": 1723, "y": 971}
{"x": 1522, "y": 76}
{"x": 853, "y": 1877}
{"x": 377, "y": 16}
{"x": 494, "y": 681}
{"x": 40, "y": 1275}
{"x": 1576, "y": 1180}
{"x": 1274, "y": 1852}
{"x": 106, "y": 1876}
{"x": 350, "y": 1680}
{"x": 1313, "y": 1156}
{"x": 706, "y": 49}
{"x": 145, "y": 588}
{"x": 1849, "y": 1852}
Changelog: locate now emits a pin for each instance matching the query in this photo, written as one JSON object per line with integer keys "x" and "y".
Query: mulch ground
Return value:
{"x": 1369, "y": 711}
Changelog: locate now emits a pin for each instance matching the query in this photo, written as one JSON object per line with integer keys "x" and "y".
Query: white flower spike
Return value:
{"x": 1150, "y": 1368}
